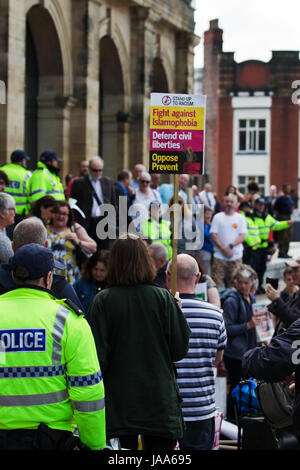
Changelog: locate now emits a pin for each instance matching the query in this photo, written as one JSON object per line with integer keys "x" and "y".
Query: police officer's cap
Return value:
{"x": 18, "y": 156}
{"x": 33, "y": 261}
{"x": 260, "y": 200}
{"x": 244, "y": 204}
{"x": 48, "y": 155}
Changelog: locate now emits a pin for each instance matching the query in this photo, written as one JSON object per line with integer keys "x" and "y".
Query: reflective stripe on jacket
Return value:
{"x": 265, "y": 225}
{"x": 49, "y": 370}
{"x": 45, "y": 183}
{"x": 19, "y": 186}
{"x": 252, "y": 238}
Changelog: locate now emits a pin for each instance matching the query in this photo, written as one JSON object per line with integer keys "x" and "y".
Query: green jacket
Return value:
{"x": 49, "y": 368}
{"x": 45, "y": 183}
{"x": 139, "y": 332}
{"x": 266, "y": 223}
{"x": 159, "y": 232}
{"x": 19, "y": 186}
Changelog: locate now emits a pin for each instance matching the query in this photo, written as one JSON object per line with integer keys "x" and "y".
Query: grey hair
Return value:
{"x": 6, "y": 202}
{"x": 30, "y": 230}
{"x": 244, "y": 271}
{"x": 144, "y": 174}
{"x": 159, "y": 251}
{"x": 96, "y": 158}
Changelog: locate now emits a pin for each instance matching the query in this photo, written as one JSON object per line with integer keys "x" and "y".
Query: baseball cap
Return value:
{"x": 294, "y": 263}
{"x": 49, "y": 155}
{"x": 18, "y": 156}
{"x": 33, "y": 261}
{"x": 260, "y": 200}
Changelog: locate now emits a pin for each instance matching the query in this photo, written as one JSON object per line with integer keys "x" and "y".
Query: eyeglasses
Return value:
{"x": 95, "y": 170}
{"x": 66, "y": 214}
{"x": 144, "y": 181}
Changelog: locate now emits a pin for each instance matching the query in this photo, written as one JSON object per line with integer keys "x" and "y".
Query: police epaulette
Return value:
{"x": 74, "y": 307}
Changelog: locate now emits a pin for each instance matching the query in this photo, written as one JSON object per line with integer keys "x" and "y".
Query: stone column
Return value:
{"x": 12, "y": 73}
{"x": 85, "y": 50}
{"x": 142, "y": 60}
{"x": 185, "y": 43}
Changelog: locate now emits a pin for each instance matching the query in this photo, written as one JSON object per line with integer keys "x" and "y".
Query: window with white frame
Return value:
{"x": 243, "y": 182}
{"x": 252, "y": 135}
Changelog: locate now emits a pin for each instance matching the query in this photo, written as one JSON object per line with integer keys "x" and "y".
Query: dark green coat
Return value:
{"x": 139, "y": 332}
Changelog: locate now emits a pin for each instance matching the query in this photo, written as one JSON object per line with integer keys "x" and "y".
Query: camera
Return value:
{"x": 273, "y": 282}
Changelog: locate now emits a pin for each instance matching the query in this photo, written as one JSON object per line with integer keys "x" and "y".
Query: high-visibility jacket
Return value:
{"x": 252, "y": 238}
{"x": 158, "y": 232}
{"x": 45, "y": 183}
{"x": 265, "y": 224}
{"x": 19, "y": 186}
{"x": 49, "y": 369}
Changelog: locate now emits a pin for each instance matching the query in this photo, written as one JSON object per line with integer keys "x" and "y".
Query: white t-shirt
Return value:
{"x": 228, "y": 228}
{"x": 141, "y": 204}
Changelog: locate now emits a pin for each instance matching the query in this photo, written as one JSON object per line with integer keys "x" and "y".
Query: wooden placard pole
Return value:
{"x": 175, "y": 236}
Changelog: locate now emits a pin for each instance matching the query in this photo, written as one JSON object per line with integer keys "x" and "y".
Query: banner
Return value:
{"x": 177, "y": 134}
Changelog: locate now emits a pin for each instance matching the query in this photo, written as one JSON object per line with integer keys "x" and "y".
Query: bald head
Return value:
{"x": 188, "y": 273}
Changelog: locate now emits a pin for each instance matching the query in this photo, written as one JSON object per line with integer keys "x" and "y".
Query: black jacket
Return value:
{"x": 288, "y": 311}
{"x": 277, "y": 360}
{"x": 60, "y": 287}
{"x": 82, "y": 191}
{"x": 236, "y": 317}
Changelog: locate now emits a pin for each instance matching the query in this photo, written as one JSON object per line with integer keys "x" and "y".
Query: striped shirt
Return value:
{"x": 195, "y": 372}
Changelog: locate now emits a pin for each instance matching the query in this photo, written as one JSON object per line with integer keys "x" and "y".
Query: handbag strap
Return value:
{"x": 95, "y": 195}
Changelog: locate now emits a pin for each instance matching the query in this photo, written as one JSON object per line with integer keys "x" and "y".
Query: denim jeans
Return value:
{"x": 198, "y": 435}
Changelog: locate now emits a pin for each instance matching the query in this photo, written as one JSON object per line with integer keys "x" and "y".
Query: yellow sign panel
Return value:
{"x": 171, "y": 117}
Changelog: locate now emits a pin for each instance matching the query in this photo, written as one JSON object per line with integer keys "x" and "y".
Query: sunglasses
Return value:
{"x": 94, "y": 170}
{"x": 144, "y": 181}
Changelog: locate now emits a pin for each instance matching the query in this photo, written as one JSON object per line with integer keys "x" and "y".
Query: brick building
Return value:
{"x": 78, "y": 75}
{"x": 252, "y": 126}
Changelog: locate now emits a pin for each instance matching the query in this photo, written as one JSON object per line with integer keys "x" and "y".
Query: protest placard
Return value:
{"x": 177, "y": 134}
{"x": 265, "y": 328}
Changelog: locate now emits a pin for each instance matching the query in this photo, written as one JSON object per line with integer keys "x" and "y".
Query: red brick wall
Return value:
{"x": 284, "y": 142}
{"x": 252, "y": 74}
{"x": 224, "y": 146}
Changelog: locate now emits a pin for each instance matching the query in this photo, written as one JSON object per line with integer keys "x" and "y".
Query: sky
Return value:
{"x": 251, "y": 29}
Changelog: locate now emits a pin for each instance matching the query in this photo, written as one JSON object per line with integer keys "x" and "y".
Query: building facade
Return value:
{"x": 78, "y": 75}
{"x": 252, "y": 127}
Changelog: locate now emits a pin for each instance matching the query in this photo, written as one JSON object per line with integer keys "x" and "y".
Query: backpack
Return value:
{"x": 226, "y": 293}
{"x": 276, "y": 403}
{"x": 245, "y": 397}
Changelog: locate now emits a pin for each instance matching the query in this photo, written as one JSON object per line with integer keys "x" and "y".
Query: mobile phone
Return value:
{"x": 273, "y": 282}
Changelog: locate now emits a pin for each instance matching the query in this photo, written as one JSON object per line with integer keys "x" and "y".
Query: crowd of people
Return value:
{"x": 154, "y": 354}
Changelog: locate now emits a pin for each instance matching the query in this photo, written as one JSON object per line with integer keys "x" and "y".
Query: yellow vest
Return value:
{"x": 49, "y": 368}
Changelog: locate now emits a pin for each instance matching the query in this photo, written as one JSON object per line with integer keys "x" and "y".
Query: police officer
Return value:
{"x": 252, "y": 239}
{"x": 45, "y": 179}
{"x": 18, "y": 176}
{"x": 157, "y": 229}
{"x": 50, "y": 374}
{"x": 265, "y": 223}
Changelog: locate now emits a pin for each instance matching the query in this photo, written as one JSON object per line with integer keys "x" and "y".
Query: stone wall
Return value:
{"x": 79, "y": 74}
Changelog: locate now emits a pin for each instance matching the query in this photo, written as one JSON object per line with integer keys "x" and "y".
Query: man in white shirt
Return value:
{"x": 144, "y": 195}
{"x": 207, "y": 197}
{"x": 228, "y": 231}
